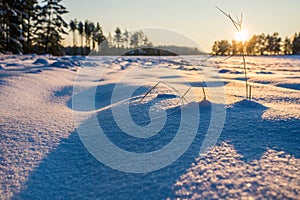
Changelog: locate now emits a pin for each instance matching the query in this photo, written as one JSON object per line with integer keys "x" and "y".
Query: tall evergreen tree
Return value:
{"x": 3, "y": 25}
{"x": 110, "y": 40}
{"x": 277, "y": 43}
{"x": 50, "y": 26}
{"x": 88, "y": 32}
{"x": 134, "y": 40}
{"x": 126, "y": 38}
{"x": 80, "y": 29}
{"x": 98, "y": 36}
{"x": 296, "y": 44}
{"x": 11, "y": 25}
{"x": 287, "y": 46}
{"x": 73, "y": 28}
{"x": 261, "y": 40}
{"x": 118, "y": 37}
{"x": 29, "y": 17}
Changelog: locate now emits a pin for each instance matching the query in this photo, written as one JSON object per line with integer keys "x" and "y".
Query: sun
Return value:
{"x": 241, "y": 36}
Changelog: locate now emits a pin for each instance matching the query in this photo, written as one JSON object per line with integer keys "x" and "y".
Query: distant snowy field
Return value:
{"x": 257, "y": 154}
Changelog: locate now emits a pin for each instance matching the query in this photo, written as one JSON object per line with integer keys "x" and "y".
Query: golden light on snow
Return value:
{"x": 241, "y": 36}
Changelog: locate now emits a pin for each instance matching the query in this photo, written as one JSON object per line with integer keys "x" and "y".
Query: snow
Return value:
{"x": 46, "y": 103}
{"x": 41, "y": 61}
{"x": 223, "y": 174}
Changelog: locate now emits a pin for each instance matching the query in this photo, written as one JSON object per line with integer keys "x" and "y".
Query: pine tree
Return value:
{"x": 98, "y": 36}
{"x": 80, "y": 29}
{"x": 2, "y": 27}
{"x": 50, "y": 26}
{"x": 287, "y": 46}
{"x": 296, "y": 44}
{"x": 11, "y": 26}
{"x": 88, "y": 30}
{"x": 134, "y": 40}
{"x": 73, "y": 28}
{"x": 110, "y": 40}
{"x": 276, "y": 43}
{"x": 28, "y": 20}
{"x": 126, "y": 38}
{"x": 118, "y": 37}
{"x": 261, "y": 47}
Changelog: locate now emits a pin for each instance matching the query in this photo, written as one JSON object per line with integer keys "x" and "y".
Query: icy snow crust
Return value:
{"x": 257, "y": 155}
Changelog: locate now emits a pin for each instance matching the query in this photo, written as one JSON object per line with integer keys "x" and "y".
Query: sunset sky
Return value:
{"x": 198, "y": 20}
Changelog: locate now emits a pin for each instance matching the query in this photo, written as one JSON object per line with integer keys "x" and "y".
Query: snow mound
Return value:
{"x": 248, "y": 104}
{"x": 224, "y": 71}
{"x": 41, "y": 61}
{"x": 34, "y": 71}
{"x": 221, "y": 174}
{"x": 62, "y": 64}
{"x": 150, "y": 62}
{"x": 166, "y": 96}
{"x": 262, "y": 72}
{"x": 89, "y": 64}
{"x": 17, "y": 65}
{"x": 227, "y": 71}
{"x": 76, "y": 63}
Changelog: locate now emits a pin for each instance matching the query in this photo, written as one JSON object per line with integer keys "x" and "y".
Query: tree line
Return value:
{"x": 94, "y": 42}
{"x": 262, "y": 44}
{"x": 92, "y": 39}
{"x": 90, "y": 34}
{"x": 32, "y": 26}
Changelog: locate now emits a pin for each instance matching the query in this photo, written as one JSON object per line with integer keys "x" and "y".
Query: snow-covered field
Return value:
{"x": 228, "y": 148}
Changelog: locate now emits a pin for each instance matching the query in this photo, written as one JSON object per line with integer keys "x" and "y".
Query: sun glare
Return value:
{"x": 241, "y": 36}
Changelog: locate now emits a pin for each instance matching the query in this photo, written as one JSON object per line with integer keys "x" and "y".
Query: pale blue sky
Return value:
{"x": 196, "y": 19}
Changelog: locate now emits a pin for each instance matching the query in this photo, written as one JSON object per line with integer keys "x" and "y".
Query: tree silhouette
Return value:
{"x": 73, "y": 28}
{"x": 80, "y": 29}
{"x": 88, "y": 30}
{"x": 222, "y": 47}
{"x": 125, "y": 39}
{"x": 261, "y": 40}
{"x": 215, "y": 48}
{"x": 118, "y": 37}
{"x": 252, "y": 45}
{"x": 287, "y": 46}
{"x": 98, "y": 36}
{"x": 50, "y": 25}
{"x": 296, "y": 44}
{"x": 234, "y": 49}
{"x": 29, "y": 18}
{"x": 11, "y": 25}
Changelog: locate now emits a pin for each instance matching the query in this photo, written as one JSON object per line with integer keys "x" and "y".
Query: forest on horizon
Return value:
{"x": 31, "y": 26}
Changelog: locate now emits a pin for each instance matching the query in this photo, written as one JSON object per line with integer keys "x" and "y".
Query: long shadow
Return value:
{"x": 4, "y": 75}
{"x": 209, "y": 84}
{"x": 103, "y": 95}
{"x": 252, "y": 136}
{"x": 71, "y": 172}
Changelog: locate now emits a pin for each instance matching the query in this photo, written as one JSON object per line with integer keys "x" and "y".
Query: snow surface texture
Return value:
{"x": 42, "y": 157}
